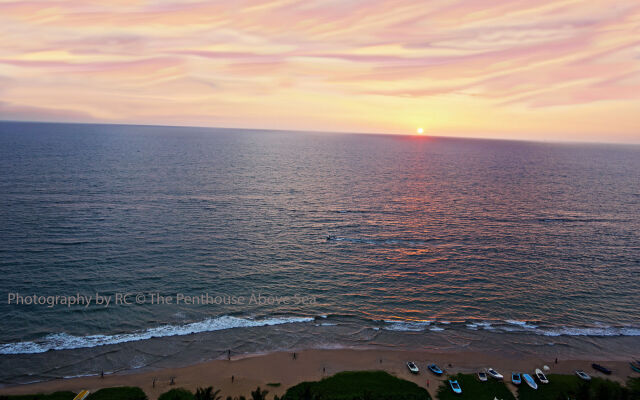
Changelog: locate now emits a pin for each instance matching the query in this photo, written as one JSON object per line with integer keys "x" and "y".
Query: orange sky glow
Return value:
{"x": 524, "y": 69}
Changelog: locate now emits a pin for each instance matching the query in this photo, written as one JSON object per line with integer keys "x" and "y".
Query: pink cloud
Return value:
{"x": 526, "y": 54}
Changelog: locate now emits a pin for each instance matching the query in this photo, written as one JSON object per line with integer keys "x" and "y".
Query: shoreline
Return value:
{"x": 250, "y": 371}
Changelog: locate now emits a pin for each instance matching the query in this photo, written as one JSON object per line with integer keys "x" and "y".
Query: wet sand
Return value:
{"x": 259, "y": 370}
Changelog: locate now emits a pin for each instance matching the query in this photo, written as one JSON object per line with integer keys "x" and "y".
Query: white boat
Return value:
{"x": 494, "y": 374}
{"x": 413, "y": 367}
{"x": 541, "y": 376}
{"x": 583, "y": 375}
{"x": 530, "y": 381}
{"x": 482, "y": 376}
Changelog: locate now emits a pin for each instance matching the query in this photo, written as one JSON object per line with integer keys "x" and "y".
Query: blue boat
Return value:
{"x": 435, "y": 369}
{"x": 455, "y": 386}
{"x": 530, "y": 381}
{"x": 515, "y": 378}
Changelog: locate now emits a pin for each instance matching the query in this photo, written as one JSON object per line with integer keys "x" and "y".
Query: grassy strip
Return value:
{"x": 177, "y": 394}
{"x": 119, "y": 393}
{"x": 570, "y": 386}
{"x": 368, "y": 385}
{"x": 473, "y": 388}
{"x": 52, "y": 396}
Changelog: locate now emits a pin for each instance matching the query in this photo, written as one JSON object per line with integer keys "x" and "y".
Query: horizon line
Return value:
{"x": 415, "y": 135}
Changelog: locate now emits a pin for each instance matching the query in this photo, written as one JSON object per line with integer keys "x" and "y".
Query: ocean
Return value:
{"x": 206, "y": 241}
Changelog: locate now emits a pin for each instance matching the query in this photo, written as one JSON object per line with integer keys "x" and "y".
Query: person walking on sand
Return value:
{"x": 232, "y": 378}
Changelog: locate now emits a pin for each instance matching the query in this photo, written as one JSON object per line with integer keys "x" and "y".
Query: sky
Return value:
{"x": 520, "y": 69}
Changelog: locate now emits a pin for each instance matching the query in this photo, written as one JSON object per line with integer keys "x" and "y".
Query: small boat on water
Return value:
{"x": 583, "y": 375}
{"x": 494, "y": 374}
{"x": 413, "y": 367}
{"x": 482, "y": 376}
{"x": 541, "y": 376}
{"x": 435, "y": 369}
{"x": 455, "y": 386}
{"x": 635, "y": 366}
{"x": 530, "y": 381}
{"x": 515, "y": 378}
{"x": 602, "y": 369}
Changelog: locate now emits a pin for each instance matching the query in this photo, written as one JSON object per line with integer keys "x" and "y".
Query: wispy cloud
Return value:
{"x": 527, "y": 67}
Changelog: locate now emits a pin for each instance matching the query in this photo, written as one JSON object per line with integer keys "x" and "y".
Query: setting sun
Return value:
{"x": 420, "y": 131}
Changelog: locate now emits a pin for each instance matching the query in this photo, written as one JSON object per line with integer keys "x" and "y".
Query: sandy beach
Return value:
{"x": 260, "y": 370}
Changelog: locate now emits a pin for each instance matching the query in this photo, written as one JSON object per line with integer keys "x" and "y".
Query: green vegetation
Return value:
{"x": 379, "y": 385}
{"x": 183, "y": 394}
{"x": 177, "y": 394}
{"x": 259, "y": 394}
{"x": 366, "y": 385}
{"x": 274, "y": 384}
{"x": 633, "y": 384}
{"x": 473, "y": 388}
{"x": 570, "y": 386}
{"x": 119, "y": 393}
{"x": 52, "y": 396}
{"x": 207, "y": 394}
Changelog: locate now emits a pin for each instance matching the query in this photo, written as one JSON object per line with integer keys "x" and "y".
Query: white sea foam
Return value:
{"x": 522, "y": 324}
{"x": 407, "y": 326}
{"x": 601, "y": 331}
{"x": 63, "y": 341}
{"x": 526, "y": 327}
{"x": 480, "y": 325}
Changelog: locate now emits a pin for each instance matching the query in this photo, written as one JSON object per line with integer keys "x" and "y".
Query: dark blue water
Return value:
{"x": 391, "y": 240}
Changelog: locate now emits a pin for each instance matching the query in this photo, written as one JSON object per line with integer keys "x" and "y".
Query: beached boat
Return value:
{"x": 435, "y": 369}
{"x": 541, "y": 376}
{"x": 530, "y": 381}
{"x": 455, "y": 386}
{"x": 515, "y": 378}
{"x": 494, "y": 374}
{"x": 482, "y": 376}
{"x": 413, "y": 367}
{"x": 635, "y": 367}
{"x": 583, "y": 375}
{"x": 602, "y": 369}
{"x": 82, "y": 395}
